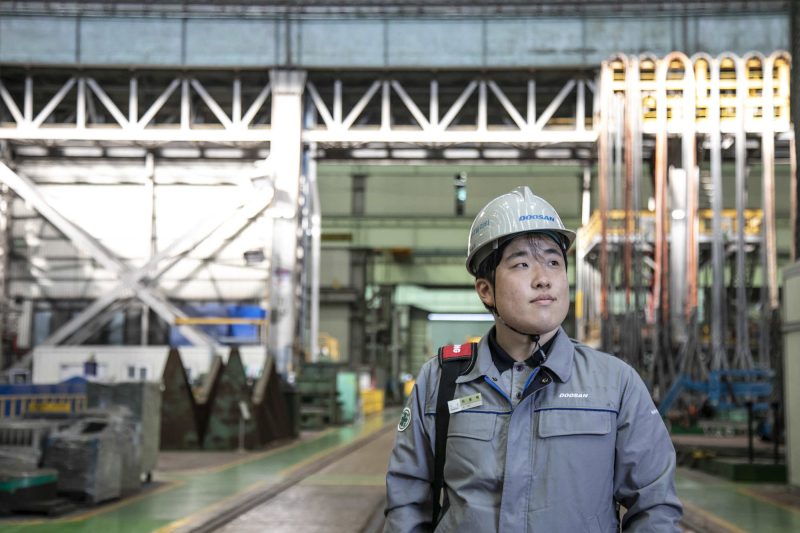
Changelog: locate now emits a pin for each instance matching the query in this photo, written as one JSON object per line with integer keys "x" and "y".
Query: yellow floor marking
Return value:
{"x": 713, "y": 518}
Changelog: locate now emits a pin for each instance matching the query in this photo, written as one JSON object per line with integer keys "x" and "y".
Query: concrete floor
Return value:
{"x": 344, "y": 496}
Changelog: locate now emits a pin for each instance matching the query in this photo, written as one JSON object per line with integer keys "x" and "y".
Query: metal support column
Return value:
{"x": 743, "y": 357}
{"x": 6, "y": 358}
{"x": 285, "y": 155}
{"x": 794, "y": 24}
{"x": 689, "y": 158}
{"x": 603, "y": 174}
{"x": 770, "y": 252}
{"x": 358, "y": 310}
{"x": 581, "y": 288}
{"x": 316, "y": 249}
{"x": 311, "y": 241}
{"x": 150, "y": 184}
{"x": 660, "y": 307}
{"x": 718, "y": 353}
{"x": 633, "y": 165}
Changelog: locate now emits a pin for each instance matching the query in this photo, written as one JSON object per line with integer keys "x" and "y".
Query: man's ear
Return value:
{"x": 485, "y": 292}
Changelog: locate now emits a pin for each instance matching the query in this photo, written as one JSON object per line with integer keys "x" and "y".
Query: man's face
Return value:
{"x": 531, "y": 290}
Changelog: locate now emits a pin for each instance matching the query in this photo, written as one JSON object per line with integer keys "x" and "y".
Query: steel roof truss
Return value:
{"x": 107, "y": 103}
{"x": 12, "y": 106}
{"x": 53, "y": 103}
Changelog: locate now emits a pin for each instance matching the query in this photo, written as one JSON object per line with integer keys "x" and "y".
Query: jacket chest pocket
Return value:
{"x": 564, "y": 422}
{"x": 574, "y": 457}
{"x": 472, "y": 425}
{"x": 471, "y": 447}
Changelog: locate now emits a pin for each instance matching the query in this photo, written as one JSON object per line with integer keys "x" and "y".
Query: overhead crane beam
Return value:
{"x": 188, "y": 109}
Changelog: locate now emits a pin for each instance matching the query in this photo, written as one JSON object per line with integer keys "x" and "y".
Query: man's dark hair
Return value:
{"x": 488, "y": 267}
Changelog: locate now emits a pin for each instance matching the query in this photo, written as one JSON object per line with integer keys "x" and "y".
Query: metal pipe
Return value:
{"x": 793, "y": 197}
{"x": 660, "y": 201}
{"x": 768, "y": 165}
{"x": 316, "y": 249}
{"x": 743, "y": 358}
{"x": 717, "y": 251}
{"x": 602, "y": 176}
{"x": 150, "y": 184}
{"x": 750, "y": 450}
{"x": 689, "y": 161}
{"x": 619, "y": 133}
{"x": 581, "y": 286}
{"x": 630, "y": 340}
{"x": 775, "y": 430}
{"x": 635, "y": 147}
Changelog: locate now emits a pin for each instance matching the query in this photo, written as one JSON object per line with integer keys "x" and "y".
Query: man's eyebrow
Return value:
{"x": 517, "y": 254}
{"x": 550, "y": 250}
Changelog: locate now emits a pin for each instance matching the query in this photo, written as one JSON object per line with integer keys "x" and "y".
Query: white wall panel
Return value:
{"x": 52, "y": 364}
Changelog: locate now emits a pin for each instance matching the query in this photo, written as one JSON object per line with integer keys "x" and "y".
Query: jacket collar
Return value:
{"x": 503, "y": 361}
{"x": 559, "y": 360}
{"x": 561, "y": 356}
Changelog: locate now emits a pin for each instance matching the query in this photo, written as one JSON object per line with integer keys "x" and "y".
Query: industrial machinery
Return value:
{"x": 680, "y": 285}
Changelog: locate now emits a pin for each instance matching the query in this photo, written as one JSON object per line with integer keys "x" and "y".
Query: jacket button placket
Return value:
{"x": 518, "y": 469}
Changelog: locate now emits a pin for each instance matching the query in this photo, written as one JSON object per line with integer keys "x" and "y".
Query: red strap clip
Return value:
{"x": 457, "y": 351}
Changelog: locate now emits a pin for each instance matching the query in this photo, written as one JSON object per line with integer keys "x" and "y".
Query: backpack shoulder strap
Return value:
{"x": 454, "y": 360}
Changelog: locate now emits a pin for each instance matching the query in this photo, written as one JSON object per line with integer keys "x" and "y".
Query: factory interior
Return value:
{"x": 234, "y": 231}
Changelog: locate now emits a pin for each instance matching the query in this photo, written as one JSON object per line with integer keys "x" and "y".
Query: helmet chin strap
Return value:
{"x": 537, "y": 351}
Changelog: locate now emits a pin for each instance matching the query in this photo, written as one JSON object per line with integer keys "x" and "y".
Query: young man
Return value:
{"x": 545, "y": 434}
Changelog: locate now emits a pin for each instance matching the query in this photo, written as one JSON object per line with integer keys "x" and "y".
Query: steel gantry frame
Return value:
{"x": 102, "y": 114}
{"x": 635, "y": 112}
{"x": 701, "y": 105}
{"x": 232, "y": 109}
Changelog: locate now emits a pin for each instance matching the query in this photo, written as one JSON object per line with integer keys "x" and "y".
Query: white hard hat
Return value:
{"x": 519, "y": 211}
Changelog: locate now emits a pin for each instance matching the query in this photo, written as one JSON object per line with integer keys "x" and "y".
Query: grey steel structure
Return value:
{"x": 670, "y": 111}
{"x": 231, "y": 83}
{"x": 250, "y": 116}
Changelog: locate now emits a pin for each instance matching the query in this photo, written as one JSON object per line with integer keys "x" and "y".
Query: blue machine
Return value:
{"x": 726, "y": 389}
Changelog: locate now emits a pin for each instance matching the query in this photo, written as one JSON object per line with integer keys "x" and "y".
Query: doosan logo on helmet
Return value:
{"x": 523, "y": 218}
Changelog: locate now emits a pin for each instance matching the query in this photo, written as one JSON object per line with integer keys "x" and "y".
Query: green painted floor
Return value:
{"x": 171, "y": 505}
{"x": 735, "y": 507}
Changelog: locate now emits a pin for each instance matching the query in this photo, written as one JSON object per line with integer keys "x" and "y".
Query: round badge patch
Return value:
{"x": 405, "y": 419}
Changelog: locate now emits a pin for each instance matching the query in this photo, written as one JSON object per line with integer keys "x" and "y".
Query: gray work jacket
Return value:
{"x": 588, "y": 437}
